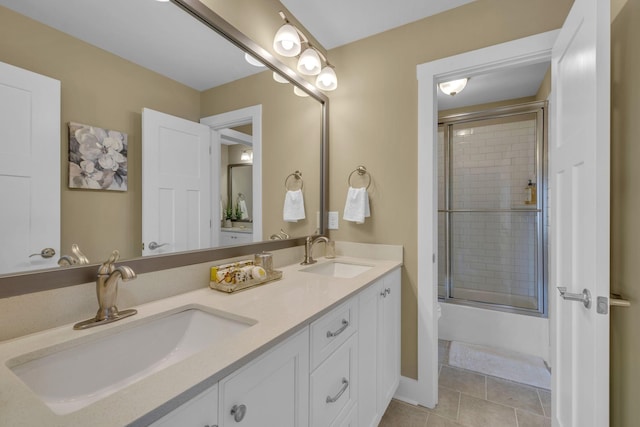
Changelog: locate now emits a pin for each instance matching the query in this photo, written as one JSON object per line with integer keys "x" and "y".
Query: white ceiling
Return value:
{"x": 158, "y": 36}
{"x": 338, "y": 22}
{"x": 497, "y": 86}
{"x": 162, "y": 37}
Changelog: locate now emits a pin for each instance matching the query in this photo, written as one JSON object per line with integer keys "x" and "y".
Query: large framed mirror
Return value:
{"x": 182, "y": 60}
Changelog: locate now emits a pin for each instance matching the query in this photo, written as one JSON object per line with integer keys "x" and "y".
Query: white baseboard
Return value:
{"x": 408, "y": 391}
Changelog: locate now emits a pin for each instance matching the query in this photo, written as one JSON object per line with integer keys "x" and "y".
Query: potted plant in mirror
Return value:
{"x": 228, "y": 216}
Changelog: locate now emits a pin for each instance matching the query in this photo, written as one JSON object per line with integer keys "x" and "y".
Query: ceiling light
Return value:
{"x": 327, "y": 79}
{"x": 287, "y": 41}
{"x": 246, "y": 156}
{"x": 253, "y": 61}
{"x": 300, "y": 92}
{"x": 309, "y": 62}
{"x": 277, "y": 77}
{"x": 453, "y": 87}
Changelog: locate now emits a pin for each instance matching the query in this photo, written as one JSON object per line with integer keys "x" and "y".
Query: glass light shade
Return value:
{"x": 287, "y": 41}
{"x": 327, "y": 79}
{"x": 299, "y": 92}
{"x": 246, "y": 155}
{"x": 452, "y": 87}
{"x": 277, "y": 77}
{"x": 253, "y": 61}
{"x": 309, "y": 62}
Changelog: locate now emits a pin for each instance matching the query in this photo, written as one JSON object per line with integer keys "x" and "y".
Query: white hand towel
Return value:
{"x": 293, "y": 206}
{"x": 244, "y": 213}
{"x": 356, "y": 208}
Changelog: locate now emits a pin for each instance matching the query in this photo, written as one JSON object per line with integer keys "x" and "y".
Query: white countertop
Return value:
{"x": 281, "y": 308}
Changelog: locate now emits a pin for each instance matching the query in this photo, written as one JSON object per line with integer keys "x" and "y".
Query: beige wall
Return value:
{"x": 291, "y": 132}
{"x": 625, "y": 205}
{"x": 374, "y": 120}
{"x": 103, "y": 90}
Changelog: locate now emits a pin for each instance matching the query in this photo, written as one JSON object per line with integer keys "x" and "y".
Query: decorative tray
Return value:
{"x": 237, "y": 276}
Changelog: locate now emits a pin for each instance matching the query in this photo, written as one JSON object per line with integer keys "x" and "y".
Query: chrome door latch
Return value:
{"x": 602, "y": 305}
{"x": 584, "y": 297}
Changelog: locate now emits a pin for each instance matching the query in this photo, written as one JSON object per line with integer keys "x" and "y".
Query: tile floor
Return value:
{"x": 470, "y": 399}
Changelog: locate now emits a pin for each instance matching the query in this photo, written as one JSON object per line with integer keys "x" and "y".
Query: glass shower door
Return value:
{"x": 490, "y": 218}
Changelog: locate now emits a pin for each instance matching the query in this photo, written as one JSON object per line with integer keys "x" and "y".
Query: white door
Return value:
{"x": 579, "y": 189}
{"x": 29, "y": 169}
{"x": 176, "y": 184}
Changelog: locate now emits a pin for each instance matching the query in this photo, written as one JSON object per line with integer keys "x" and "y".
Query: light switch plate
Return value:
{"x": 333, "y": 220}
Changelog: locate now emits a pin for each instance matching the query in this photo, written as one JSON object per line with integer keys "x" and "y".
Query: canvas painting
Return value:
{"x": 97, "y": 158}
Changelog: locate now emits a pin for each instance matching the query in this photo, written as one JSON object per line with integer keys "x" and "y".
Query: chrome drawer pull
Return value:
{"x": 345, "y": 385}
{"x": 345, "y": 324}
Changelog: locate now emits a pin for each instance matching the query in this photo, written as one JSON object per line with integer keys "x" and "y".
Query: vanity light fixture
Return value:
{"x": 309, "y": 62}
{"x": 300, "y": 92}
{"x": 277, "y": 77}
{"x": 453, "y": 87}
{"x": 287, "y": 40}
{"x": 253, "y": 61}
{"x": 327, "y": 79}
{"x": 246, "y": 155}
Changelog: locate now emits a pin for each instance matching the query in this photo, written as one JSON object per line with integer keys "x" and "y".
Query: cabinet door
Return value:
{"x": 368, "y": 359}
{"x": 200, "y": 411}
{"x": 272, "y": 390}
{"x": 389, "y": 339}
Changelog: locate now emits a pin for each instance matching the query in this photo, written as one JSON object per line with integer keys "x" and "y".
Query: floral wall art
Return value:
{"x": 97, "y": 158}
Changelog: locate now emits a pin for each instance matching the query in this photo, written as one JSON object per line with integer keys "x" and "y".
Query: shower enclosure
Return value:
{"x": 491, "y": 209}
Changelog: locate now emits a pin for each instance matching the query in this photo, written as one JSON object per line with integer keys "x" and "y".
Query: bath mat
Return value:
{"x": 500, "y": 363}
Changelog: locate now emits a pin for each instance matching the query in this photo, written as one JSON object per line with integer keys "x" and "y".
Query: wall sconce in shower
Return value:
{"x": 453, "y": 87}
{"x": 289, "y": 41}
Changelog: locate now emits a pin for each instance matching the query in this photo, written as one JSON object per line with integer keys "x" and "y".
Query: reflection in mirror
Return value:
{"x": 107, "y": 79}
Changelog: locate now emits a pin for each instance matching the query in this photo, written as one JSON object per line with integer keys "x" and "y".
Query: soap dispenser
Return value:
{"x": 531, "y": 194}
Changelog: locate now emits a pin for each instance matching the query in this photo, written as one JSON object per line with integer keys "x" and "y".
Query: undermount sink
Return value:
{"x": 73, "y": 378}
{"x": 338, "y": 269}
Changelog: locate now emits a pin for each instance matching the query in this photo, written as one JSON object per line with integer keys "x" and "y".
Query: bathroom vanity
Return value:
{"x": 321, "y": 347}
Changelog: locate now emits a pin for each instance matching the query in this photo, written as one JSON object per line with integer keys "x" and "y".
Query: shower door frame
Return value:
{"x": 540, "y": 108}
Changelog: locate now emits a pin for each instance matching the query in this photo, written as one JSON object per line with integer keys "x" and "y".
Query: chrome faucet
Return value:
{"x": 107, "y": 291}
{"x": 308, "y": 248}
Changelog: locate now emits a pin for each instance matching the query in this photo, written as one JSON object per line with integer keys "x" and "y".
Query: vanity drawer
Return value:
{"x": 333, "y": 386}
{"x": 331, "y": 330}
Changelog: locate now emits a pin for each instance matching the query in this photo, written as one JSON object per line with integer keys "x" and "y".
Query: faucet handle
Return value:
{"x": 107, "y": 266}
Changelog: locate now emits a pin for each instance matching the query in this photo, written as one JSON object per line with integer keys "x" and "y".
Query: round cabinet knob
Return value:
{"x": 238, "y": 412}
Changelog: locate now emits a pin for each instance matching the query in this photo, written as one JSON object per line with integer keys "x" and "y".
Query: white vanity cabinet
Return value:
{"x": 340, "y": 371}
{"x": 228, "y": 238}
{"x": 201, "y": 411}
{"x": 272, "y": 390}
{"x": 379, "y": 347}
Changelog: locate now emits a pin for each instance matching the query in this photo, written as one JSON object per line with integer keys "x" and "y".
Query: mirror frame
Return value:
{"x": 43, "y": 280}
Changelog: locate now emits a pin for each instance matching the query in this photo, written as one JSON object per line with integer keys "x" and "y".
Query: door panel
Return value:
{"x": 579, "y": 187}
{"x": 176, "y": 183}
{"x": 29, "y": 169}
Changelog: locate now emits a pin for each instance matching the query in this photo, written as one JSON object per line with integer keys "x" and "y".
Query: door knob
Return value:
{"x": 584, "y": 297}
{"x": 45, "y": 253}
{"x": 153, "y": 245}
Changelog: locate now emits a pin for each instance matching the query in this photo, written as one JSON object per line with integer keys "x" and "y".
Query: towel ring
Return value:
{"x": 361, "y": 170}
{"x": 297, "y": 175}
